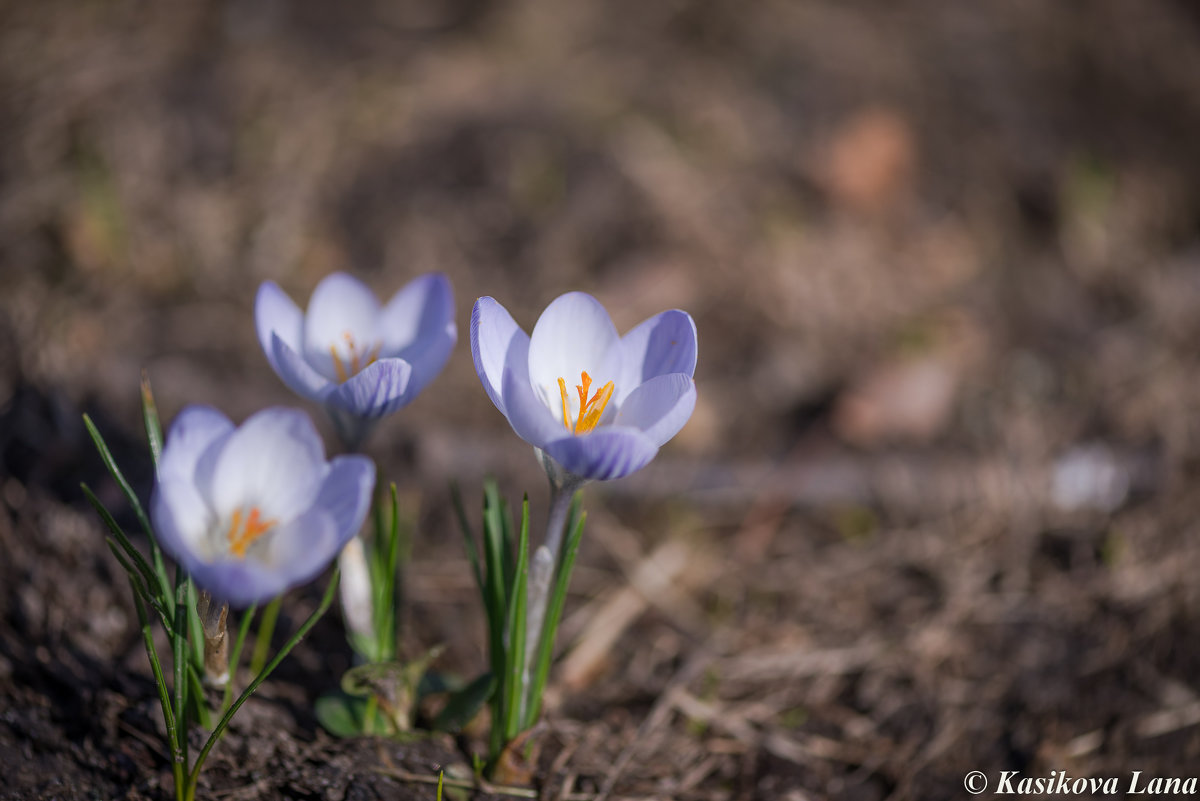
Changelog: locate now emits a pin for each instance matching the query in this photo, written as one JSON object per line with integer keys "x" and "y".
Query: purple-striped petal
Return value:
{"x": 659, "y": 407}
{"x": 342, "y": 319}
{"x": 275, "y": 314}
{"x": 297, "y": 374}
{"x": 182, "y": 518}
{"x": 605, "y": 453}
{"x": 417, "y": 325}
{"x": 573, "y": 335}
{"x": 529, "y": 416}
{"x": 492, "y": 333}
{"x": 664, "y": 344}
{"x": 379, "y": 389}
{"x": 346, "y": 493}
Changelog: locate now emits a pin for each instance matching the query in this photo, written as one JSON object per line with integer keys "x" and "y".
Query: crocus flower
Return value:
{"x": 253, "y": 510}
{"x": 360, "y": 360}
{"x": 597, "y": 404}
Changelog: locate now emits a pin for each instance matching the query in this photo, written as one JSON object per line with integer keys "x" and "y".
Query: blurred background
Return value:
{"x": 936, "y": 509}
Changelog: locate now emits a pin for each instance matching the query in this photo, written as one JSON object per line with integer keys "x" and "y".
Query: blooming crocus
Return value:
{"x": 358, "y": 359}
{"x": 597, "y": 404}
{"x": 254, "y": 510}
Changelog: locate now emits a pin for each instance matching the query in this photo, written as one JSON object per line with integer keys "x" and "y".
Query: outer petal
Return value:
{"x": 275, "y": 314}
{"x": 492, "y": 332}
{"x": 275, "y": 461}
{"x": 605, "y": 453}
{"x": 417, "y": 325}
{"x": 379, "y": 389}
{"x": 659, "y": 407}
{"x": 181, "y": 517}
{"x": 192, "y": 432}
{"x": 573, "y": 335}
{"x": 341, "y": 306}
{"x": 666, "y": 343}
{"x": 527, "y": 414}
{"x": 298, "y": 550}
{"x": 345, "y": 495}
{"x": 296, "y": 373}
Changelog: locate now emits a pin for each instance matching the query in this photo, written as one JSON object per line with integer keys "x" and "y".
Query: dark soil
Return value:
{"x": 936, "y": 510}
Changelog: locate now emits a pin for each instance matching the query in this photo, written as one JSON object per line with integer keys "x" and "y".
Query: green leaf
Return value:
{"x": 515, "y": 658}
{"x": 150, "y": 418}
{"x": 107, "y": 457}
{"x": 464, "y": 705}
{"x": 132, "y": 553}
{"x": 468, "y": 537}
{"x": 344, "y": 715}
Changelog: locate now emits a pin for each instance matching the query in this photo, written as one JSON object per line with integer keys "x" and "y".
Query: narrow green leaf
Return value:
{"x": 107, "y": 457}
{"x": 134, "y": 555}
{"x": 150, "y": 418}
{"x": 468, "y": 537}
{"x": 195, "y": 628}
{"x": 235, "y": 655}
{"x": 514, "y": 689}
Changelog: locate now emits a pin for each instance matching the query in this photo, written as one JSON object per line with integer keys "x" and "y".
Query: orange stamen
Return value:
{"x": 590, "y": 411}
{"x": 241, "y": 537}
{"x": 357, "y": 361}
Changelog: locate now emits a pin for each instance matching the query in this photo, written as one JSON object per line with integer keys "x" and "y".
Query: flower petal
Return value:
{"x": 300, "y": 377}
{"x": 492, "y": 332}
{"x": 379, "y": 389}
{"x": 192, "y": 432}
{"x": 666, "y": 343}
{"x": 275, "y": 461}
{"x": 346, "y": 493}
{"x": 605, "y": 453}
{"x": 181, "y": 517}
{"x": 417, "y": 325}
{"x": 573, "y": 335}
{"x": 659, "y": 407}
{"x": 342, "y": 313}
{"x": 527, "y": 414}
{"x": 275, "y": 314}
{"x": 297, "y": 551}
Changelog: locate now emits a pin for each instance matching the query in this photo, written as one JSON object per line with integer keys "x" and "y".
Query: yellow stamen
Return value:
{"x": 241, "y": 537}
{"x": 357, "y": 361}
{"x": 590, "y": 411}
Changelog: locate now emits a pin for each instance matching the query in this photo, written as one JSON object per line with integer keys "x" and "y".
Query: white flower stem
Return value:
{"x": 541, "y": 574}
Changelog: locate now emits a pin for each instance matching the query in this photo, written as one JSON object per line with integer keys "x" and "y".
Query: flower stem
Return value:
{"x": 194, "y": 777}
{"x": 542, "y": 574}
{"x": 262, "y": 640}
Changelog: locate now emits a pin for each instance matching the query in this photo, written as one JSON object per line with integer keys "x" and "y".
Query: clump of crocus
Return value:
{"x": 360, "y": 360}
{"x": 595, "y": 406}
{"x": 254, "y": 510}
{"x": 246, "y": 512}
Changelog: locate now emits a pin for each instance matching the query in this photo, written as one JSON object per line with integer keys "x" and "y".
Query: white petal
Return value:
{"x": 275, "y": 461}
{"x": 574, "y": 335}
{"x": 342, "y": 318}
{"x": 659, "y": 407}
{"x": 666, "y": 343}
{"x": 275, "y": 314}
{"x": 493, "y": 334}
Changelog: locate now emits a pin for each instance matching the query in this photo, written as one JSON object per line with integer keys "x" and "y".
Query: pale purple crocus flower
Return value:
{"x": 599, "y": 405}
{"x": 253, "y": 510}
{"x": 594, "y": 405}
{"x": 360, "y": 360}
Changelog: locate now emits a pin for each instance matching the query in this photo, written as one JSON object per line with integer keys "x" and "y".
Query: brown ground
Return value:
{"x": 938, "y": 254}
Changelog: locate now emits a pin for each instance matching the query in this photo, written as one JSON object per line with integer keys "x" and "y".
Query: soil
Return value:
{"x": 936, "y": 511}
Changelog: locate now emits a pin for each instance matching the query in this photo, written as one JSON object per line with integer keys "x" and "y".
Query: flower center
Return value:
{"x": 589, "y": 410}
{"x": 244, "y": 530}
{"x": 358, "y": 357}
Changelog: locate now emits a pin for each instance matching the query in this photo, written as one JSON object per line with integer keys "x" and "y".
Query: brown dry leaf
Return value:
{"x": 871, "y": 161}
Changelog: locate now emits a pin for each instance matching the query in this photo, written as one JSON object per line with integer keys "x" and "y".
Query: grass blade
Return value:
{"x": 468, "y": 536}
{"x": 515, "y": 656}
